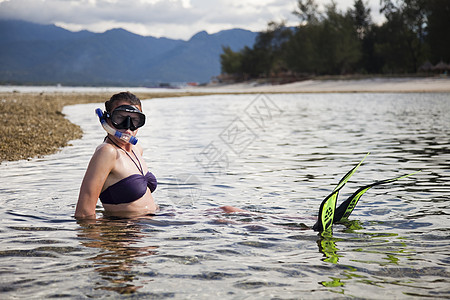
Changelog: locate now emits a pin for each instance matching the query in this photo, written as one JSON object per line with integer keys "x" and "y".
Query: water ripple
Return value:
{"x": 395, "y": 243}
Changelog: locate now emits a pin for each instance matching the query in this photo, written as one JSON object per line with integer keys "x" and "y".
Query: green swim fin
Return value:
{"x": 326, "y": 213}
{"x": 346, "y": 208}
{"x": 328, "y": 205}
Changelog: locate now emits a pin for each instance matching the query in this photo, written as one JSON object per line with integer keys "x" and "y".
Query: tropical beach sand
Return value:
{"x": 33, "y": 114}
{"x": 372, "y": 85}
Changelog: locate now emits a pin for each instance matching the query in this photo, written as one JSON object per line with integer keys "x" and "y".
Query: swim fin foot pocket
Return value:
{"x": 329, "y": 214}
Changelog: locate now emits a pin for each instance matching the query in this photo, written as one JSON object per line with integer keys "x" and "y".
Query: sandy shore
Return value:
{"x": 373, "y": 85}
{"x": 31, "y": 113}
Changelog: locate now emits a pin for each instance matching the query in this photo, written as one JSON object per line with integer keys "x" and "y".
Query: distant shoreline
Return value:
{"x": 367, "y": 85}
{"x": 29, "y": 113}
{"x": 437, "y": 84}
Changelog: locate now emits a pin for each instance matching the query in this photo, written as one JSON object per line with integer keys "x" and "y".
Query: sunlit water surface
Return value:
{"x": 277, "y": 156}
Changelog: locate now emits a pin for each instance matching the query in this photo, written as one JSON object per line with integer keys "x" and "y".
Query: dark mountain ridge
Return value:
{"x": 46, "y": 54}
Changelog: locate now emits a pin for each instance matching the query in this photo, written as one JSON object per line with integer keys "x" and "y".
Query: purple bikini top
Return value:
{"x": 129, "y": 189}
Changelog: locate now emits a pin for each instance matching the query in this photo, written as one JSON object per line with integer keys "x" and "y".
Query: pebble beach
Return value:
{"x": 34, "y": 125}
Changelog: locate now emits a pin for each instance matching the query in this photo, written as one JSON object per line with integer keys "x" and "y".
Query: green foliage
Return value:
{"x": 401, "y": 39}
{"x": 360, "y": 16}
{"x": 333, "y": 42}
{"x": 230, "y": 61}
{"x": 438, "y": 38}
{"x": 308, "y": 12}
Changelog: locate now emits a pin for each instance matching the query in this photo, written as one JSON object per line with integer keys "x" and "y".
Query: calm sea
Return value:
{"x": 276, "y": 156}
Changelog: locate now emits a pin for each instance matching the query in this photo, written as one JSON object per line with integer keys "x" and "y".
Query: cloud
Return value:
{"x": 92, "y": 11}
{"x": 168, "y": 18}
{"x": 171, "y": 18}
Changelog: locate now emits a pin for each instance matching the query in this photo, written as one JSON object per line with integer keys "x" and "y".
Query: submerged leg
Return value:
{"x": 231, "y": 209}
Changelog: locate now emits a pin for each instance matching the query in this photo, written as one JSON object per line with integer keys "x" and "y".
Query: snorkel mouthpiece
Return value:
{"x": 123, "y": 136}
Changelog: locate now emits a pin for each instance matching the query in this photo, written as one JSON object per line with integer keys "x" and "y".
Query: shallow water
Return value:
{"x": 277, "y": 156}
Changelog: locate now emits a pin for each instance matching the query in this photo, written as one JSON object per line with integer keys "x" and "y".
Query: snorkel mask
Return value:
{"x": 126, "y": 117}
{"x": 123, "y": 136}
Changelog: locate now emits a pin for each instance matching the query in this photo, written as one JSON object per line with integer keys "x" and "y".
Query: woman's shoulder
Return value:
{"x": 106, "y": 150}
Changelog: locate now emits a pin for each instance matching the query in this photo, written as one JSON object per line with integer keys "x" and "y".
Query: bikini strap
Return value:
{"x": 138, "y": 167}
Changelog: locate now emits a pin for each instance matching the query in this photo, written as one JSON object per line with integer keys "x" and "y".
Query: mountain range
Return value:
{"x": 46, "y": 54}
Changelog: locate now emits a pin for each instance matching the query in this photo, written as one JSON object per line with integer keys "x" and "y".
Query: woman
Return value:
{"x": 117, "y": 173}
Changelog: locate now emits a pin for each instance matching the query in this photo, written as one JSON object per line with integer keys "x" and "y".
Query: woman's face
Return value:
{"x": 120, "y": 115}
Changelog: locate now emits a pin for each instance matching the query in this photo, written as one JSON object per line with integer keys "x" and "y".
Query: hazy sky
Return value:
{"x": 178, "y": 19}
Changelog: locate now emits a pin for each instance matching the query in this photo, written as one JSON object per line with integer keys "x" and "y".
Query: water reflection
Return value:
{"x": 327, "y": 246}
{"x": 377, "y": 260}
{"x": 119, "y": 242}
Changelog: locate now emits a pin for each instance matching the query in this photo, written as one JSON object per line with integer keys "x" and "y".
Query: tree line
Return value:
{"x": 333, "y": 42}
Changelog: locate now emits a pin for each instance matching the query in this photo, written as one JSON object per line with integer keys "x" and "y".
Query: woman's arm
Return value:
{"x": 101, "y": 164}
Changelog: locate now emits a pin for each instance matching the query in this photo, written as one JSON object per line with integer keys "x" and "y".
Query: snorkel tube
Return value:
{"x": 123, "y": 136}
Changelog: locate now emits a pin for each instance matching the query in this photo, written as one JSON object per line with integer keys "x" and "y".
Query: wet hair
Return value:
{"x": 123, "y": 96}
